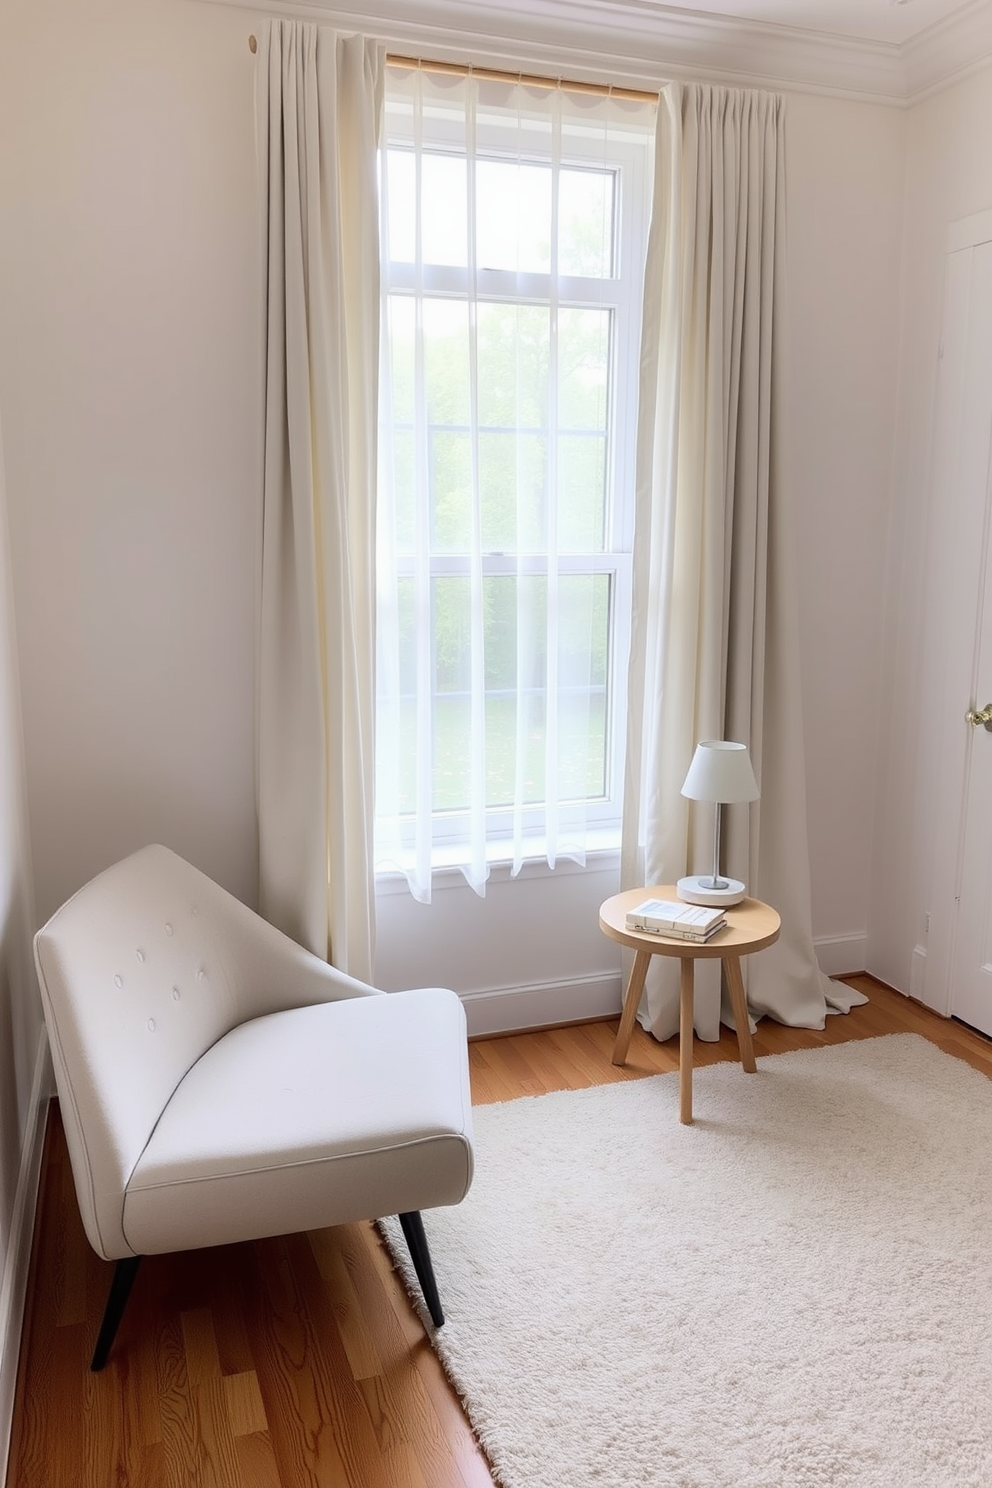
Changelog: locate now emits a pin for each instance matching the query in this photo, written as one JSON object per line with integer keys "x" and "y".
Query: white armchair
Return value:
{"x": 219, "y": 1083}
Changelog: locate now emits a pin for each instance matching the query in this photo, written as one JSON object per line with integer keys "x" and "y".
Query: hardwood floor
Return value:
{"x": 299, "y": 1361}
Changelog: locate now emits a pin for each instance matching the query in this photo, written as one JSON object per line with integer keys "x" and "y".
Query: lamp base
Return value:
{"x": 700, "y": 890}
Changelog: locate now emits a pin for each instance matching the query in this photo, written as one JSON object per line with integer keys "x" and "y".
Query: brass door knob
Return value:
{"x": 983, "y": 716}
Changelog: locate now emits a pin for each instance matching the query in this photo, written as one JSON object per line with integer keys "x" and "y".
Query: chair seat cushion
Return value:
{"x": 310, "y": 1117}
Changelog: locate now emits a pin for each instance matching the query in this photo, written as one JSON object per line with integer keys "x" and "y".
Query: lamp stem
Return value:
{"x": 717, "y": 881}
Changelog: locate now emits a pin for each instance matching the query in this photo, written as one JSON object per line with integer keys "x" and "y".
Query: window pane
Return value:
{"x": 585, "y": 223}
{"x": 581, "y": 488}
{"x": 444, "y": 215}
{"x": 515, "y": 635}
{"x": 396, "y": 452}
{"x": 513, "y": 608}
{"x": 402, "y": 324}
{"x": 514, "y": 352}
{"x": 449, "y": 452}
{"x": 451, "y": 601}
{"x": 400, "y": 458}
{"x": 401, "y": 205}
{"x": 451, "y": 490}
{"x": 583, "y": 630}
{"x": 406, "y": 752}
{"x": 452, "y": 752}
{"x": 446, "y": 362}
{"x": 513, "y": 475}
{"x": 582, "y": 746}
{"x": 583, "y": 409}
{"x": 513, "y": 216}
{"x": 451, "y": 607}
{"x": 514, "y": 356}
{"x": 583, "y": 368}
{"x": 583, "y": 657}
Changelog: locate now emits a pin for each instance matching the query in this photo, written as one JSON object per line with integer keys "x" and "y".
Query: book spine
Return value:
{"x": 671, "y": 932}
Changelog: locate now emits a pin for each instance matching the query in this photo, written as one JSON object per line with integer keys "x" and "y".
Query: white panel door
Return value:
{"x": 964, "y": 503}
{"x": 956, "y": 758}
{"x": 971, "y": 975}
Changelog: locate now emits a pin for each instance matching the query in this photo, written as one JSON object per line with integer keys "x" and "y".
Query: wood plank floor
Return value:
{"x": 299, "y": 1361}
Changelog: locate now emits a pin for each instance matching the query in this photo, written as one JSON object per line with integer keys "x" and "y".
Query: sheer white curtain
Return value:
{"x": 496, "y": 569}
{"x": 714, "y": 650}
{"x": 318, "y": 102}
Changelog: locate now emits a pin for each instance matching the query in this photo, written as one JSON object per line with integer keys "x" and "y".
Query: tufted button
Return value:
{"x": 118, "y": 981}
{"x": 201, "y": 975}
{"x": 151, "y": 1025}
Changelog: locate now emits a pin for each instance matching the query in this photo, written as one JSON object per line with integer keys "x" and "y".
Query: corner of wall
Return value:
{"x": 13, "y": 1284}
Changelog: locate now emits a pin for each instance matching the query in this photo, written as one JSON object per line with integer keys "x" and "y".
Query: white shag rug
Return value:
{"x": 793, "y": 1292}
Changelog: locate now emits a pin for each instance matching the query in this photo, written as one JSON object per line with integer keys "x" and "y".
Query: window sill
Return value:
{"x": 602, "y": 851}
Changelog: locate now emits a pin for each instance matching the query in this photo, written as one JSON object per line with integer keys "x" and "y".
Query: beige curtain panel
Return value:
{"x": 714, "y": 641}
{"x": 318, "y": 101}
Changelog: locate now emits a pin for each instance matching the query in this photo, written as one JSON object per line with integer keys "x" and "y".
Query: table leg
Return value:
{"x": 738, "y": 1001}
{"x": 631, "y": 1002}
{"x": 686, "y": 1011}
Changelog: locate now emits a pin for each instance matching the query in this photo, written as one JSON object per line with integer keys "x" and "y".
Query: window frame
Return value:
{"x": 630, "y": 159}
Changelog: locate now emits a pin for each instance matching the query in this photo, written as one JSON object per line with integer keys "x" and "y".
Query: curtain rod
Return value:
{"x": 527, "y": 80}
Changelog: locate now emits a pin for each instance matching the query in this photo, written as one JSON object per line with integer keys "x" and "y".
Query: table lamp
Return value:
{"x": 720, "y": 772}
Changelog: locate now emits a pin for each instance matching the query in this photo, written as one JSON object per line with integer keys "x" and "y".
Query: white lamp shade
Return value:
{"x": 720, "y": 771}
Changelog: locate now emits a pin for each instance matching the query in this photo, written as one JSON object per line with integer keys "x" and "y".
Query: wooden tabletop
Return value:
{"x": 750, "y": 926}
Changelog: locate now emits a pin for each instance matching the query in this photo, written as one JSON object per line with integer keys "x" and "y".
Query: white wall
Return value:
{"x": 846, "y": 166}
{"x": 528, "y": 954}
{"x": 128, "y": 346}
{"x": 128, "y": 378}
{"x": 949, "y": 176}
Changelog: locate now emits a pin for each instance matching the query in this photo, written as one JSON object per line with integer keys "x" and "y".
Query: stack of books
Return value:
{"x": 673, "y": 918}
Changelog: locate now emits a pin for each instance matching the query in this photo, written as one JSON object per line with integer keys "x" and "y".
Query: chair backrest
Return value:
{"x": 135, "y": 987}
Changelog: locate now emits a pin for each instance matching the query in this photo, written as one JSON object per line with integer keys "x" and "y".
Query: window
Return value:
{"x": 513, "y": 229}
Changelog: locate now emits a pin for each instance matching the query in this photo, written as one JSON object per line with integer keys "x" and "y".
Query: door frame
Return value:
{"x": 959, "y": 545}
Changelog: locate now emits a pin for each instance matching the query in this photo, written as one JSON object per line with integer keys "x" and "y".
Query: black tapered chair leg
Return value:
{"x": 120, "y": 1289}
{"x": 413, "y": 1233}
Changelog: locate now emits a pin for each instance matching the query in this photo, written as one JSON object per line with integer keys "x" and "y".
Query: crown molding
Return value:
{"x": 944, "y": 54}
{"x": 644, "y": 43}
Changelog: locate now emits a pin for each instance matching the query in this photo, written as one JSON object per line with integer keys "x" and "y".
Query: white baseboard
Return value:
{"x": 512, "y": 1009}
{"x": 13, "y": 1287}
{"x": 841, "y": 955}
{"x": 540, "y": 1004}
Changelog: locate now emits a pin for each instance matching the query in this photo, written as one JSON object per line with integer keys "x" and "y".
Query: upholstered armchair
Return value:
{"x": 218, "y": 1083}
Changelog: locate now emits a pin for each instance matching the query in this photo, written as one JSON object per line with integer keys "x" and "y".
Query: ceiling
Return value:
{"x": 893, "y": 21}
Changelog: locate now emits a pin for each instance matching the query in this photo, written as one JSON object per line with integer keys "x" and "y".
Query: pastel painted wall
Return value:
{"x": 128, "y": 382}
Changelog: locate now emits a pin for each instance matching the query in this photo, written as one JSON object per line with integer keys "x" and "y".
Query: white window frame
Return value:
{"x": 630, "y": 157}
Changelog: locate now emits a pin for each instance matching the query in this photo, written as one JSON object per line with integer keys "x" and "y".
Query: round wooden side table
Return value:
{"x": 751, "y": 925}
